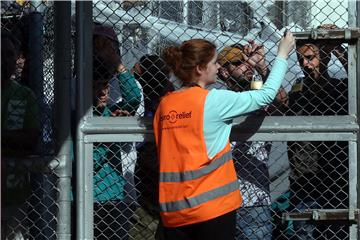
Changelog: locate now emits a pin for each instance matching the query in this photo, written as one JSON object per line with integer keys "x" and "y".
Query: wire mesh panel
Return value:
{"x": 274, "y": 177}
{"x": 29, "y": 187}
{"x": 125, "y": 191}
{"x": 28, "y": 202}
{"x": 317, "y": 178}
{"x": 269, "y": 183}
{"x": 147, "y": 27}
{"x": 119, "y": 182}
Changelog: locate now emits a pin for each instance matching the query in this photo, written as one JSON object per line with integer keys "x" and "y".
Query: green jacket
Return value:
{"x": 108, "y": 180}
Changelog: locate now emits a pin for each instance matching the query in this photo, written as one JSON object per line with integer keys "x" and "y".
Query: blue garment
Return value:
{"x": 108, "y": 180}
{"x": 221, "y": 106}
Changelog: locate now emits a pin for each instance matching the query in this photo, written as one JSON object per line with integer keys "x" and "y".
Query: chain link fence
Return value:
{"x": 28, "y": 185}
{"x": 275, "y": 177}
{"x": 287, "y": 168}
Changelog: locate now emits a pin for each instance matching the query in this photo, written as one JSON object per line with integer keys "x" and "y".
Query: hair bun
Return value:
{"x": 173, "y": 57}
{"x": 182, "y": 60}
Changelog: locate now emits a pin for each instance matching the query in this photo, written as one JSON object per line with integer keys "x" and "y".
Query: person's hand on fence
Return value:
{"x": 282, "y": 97}
{"x": 255, "y": 56}
{"x": 136, "y": 69}
{"x": 224, "y": 73}
{"x": 119, "y": 113}
{"x": 329, "y": 47}
{"x": 334, "y": 47}
{"x": 286, "y": 44}
{"x": 279, "y": 105}
{"x": 328, "y": 26}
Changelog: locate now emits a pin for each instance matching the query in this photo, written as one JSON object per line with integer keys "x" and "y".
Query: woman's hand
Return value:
{"x": 286, "y": 44}
{"x": 255, "y": 56}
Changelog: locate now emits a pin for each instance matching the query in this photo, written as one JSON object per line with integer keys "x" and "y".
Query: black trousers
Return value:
{"x": 220, "y": 228}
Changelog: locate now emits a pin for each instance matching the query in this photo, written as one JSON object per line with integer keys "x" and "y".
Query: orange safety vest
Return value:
{"x": 192, "y": 188}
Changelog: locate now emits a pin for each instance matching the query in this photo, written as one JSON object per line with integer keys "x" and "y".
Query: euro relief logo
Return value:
{"x": 173, "y": 116}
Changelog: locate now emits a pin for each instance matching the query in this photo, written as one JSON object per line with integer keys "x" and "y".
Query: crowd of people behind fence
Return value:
{"x": 224, "y": 202}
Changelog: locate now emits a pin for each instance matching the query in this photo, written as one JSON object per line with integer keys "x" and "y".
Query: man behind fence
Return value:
{"x": 319, "y": 170}
{"x": 20, "y": 132}
{"x": 20, "y": 126}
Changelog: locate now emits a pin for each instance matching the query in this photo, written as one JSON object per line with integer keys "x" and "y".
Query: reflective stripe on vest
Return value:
{"x": 191, "y": 175}
{"x": 199, "y": 199}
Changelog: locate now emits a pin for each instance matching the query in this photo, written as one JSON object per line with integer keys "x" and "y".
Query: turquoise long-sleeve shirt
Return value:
{"x": 130, "y": 92}
{"x": 222, "y": 106}
{"x": 108, "y": 180}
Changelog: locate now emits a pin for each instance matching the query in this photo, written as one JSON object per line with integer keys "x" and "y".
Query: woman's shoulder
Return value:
{"x": 221, "y": 93}
{"x": 219, "y": 98}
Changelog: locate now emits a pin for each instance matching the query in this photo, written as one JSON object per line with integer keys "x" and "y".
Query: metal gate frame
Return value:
{"x": 96, "y": 129}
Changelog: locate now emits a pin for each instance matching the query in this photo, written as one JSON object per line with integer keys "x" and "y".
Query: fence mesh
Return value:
{"x": 29, "y": 187}
{"x": 129, "y": 78}
{"x": 274, "y": 179}
{"x": 126, "y": 182}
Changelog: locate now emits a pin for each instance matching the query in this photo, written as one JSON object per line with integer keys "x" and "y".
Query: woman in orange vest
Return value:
{"x": 198, "y": 189}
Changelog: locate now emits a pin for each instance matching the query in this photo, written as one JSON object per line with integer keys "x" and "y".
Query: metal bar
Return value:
{"x": 35, "y": 66}
{"x": 84, "y": 58}
{"x": 296, "y": 124}
{"x": 80, "y": 186}
{"x": 88, "y": 192}
{"x": 354, "y": 109}
{"x": 284, "y": 137}
{"x": 352, "y": 77}
{"x": 357, "y": 20}
{"x": 353, "y": 195}
{"x": 117, "y": 125}
{"x": 235, "y": 136}
{"x": 309, "y": 128}
{"x": 311, "y": 124}
{"x": 62, "y": 78}
{"x": 93, "y": 138}
{"x": 84, "y": 106}
{"x": 322, "y": 215}
{"x": 345, "y": 35}
{"x": 35, "y": 80}
{"x": 353, "y": 155}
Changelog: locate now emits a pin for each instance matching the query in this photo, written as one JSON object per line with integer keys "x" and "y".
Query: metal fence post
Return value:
{"x": 62, "y": 77}
{"x": 353, "y": 68}
{"x": 356, "y": 19}
{"x": 35, "y": 62}
{"x": 44, "y": 226}
{"x": 84, "y": 201}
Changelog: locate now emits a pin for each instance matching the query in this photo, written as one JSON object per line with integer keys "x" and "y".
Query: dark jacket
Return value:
{"x": 319, "y": 169}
